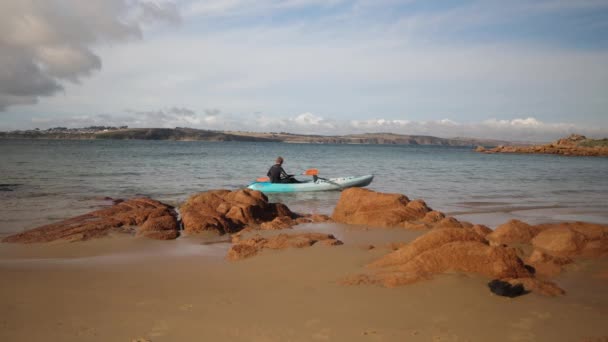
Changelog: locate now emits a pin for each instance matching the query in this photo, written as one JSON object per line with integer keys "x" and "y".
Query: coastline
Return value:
{"x": 190, "y": 134}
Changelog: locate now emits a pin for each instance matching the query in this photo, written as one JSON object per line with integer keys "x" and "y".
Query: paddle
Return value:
{"x": 315, "y": 173}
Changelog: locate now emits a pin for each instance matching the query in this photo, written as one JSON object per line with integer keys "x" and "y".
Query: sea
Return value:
{"x": 45, "y": 181}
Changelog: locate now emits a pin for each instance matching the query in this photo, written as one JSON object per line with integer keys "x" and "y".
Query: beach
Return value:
{"x": 124, "y": 289}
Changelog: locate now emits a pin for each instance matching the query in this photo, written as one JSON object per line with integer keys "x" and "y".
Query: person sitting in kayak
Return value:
{"x": 278, "y": 175}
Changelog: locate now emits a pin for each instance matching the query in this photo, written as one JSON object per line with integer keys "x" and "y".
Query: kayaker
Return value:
{"x": 278, "y": 175}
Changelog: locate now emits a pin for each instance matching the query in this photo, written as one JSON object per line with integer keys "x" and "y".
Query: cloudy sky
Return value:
{"x": 518, "y": 70}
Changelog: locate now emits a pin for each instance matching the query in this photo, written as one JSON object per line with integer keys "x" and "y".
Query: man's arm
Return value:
{"x": 283, "y": 173}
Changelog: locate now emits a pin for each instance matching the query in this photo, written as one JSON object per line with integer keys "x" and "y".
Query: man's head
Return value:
{"x": 279, "y": 160}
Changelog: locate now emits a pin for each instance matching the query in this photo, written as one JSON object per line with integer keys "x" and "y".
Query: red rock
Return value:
{"x": 281, "y": 222}
{"x": 547, "y": 265}
{"x": 250, "y": 247}
{"x": 143, "y": 216}
{"x": 538, "y": 286}
{"x": 570, "y": 146}
{"x": 432, "y": 217}
{"x": 313, "y": 218}
{"x": 450, "y": 249}
{"x": 362, "y": 206}
{"x": 448, "y": 222}
{"x": 591, "y": 231}
{"x": 481, "y": 230}
{"x": 366, "y": 207}
{"x": 513, "y": 231}
{"x": 462, "y": 256}
{"x": 227, "y": 211}
{"x": 560, "y": 241}
{"x": 428, "y": 241}
{"x": 159, "y": 228}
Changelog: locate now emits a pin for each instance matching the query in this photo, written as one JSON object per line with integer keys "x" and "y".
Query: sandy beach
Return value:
{"x": 125, "y": 289}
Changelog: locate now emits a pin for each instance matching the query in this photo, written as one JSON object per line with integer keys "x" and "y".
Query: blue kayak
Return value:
{"x": 321, "y": 184}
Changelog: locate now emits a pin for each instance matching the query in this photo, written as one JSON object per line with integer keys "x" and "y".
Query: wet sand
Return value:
{"x": 124, "y": 289}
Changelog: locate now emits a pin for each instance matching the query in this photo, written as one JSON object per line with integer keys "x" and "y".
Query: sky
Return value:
{"x": 513, "y": 70}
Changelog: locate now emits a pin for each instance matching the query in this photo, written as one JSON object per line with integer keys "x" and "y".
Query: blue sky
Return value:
{"x": 519, "y": 70}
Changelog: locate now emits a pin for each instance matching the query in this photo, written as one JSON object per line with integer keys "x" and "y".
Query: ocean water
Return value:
{"x": 43, "y": 181}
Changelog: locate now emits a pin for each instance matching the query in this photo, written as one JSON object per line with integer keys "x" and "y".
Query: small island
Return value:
{"x": 574, "y": 145}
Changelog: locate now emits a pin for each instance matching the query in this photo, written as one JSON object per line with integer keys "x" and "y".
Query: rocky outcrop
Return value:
{"x": 226, "y": 211}
{"x": 543, "y": 287}
{"x": 428, "y": 241}
{"x": 449, "y": 249}
{"x": 573, "y": 239}
{"x": 513, "y": 231}
{"x": 547, "y": 265}
{"x": 249, "y": 247}
{"x": 367, "y": 207}
{"x": 574, "y": 145}
{"x": 139, "y": 216}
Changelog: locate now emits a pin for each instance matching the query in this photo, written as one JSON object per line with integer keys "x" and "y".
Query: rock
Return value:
{"x": 453, "y": 249}
{"x": 506, "y": 289}
{"x": 227, "y": 211}
{"x": 547, "y": 265}
{"x": 481, "y": 230}
{"x": 367, "y": 207}
{"x": 313, "y": 218}
{"x": 428, "y": 241}
{"x": 448, "y": 222}
{"x": 142, "y": 216}
{"x": 513, "y": 231}
{"x": 250, "y": 247}
{"x": 280, "y": 222}
{"x": 461, "y": 256}
{"x": 432, "y": 217}
{"x": 541, "y": 287}
{"x": 563, "y": 241}
{"x": 480, "y": 149}
{"x": 574, "y": 145}
{"x": 159, "y": 228}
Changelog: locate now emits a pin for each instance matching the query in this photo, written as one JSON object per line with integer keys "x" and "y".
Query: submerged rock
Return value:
{"x": 242, "y": 249}
{"x": 141, "y": 216}
{"x": 228, "y": 211}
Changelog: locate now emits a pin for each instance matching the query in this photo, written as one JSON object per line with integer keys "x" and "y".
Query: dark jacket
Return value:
{"x": 275, "y": 173}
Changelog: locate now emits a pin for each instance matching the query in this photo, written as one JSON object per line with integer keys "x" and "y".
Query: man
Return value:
{"x": 278, "y": 175}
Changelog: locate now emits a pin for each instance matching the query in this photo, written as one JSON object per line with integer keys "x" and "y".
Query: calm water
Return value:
{"x": 45, "y": 181}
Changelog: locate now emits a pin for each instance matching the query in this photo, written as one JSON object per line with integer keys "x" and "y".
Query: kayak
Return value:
{"x": 321, "y": 184}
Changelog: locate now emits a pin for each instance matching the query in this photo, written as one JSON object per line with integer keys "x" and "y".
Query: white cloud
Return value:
{"x": 519, "y": 129}
{"x": 45, "y": 43}
{"x": 247, "y": 7}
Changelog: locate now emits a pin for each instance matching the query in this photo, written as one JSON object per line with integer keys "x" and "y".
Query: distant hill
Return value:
{"x": 191, "y": 134}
